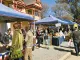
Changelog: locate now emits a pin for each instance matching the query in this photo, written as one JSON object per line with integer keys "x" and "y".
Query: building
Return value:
{"x": 33, "y": 8}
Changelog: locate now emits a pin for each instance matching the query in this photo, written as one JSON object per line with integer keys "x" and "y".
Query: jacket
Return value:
{"x": 29, "y": 39}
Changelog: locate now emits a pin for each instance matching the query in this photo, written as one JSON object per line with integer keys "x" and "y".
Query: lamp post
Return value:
{"x": 34, "y": 28}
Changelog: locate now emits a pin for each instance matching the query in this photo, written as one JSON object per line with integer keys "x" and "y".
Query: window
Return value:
{"x": 29, "y": 11}
{"x": 10, "y": 5}
{"x": 36, "y": 13}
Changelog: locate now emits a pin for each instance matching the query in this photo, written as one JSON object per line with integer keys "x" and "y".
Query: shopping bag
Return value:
{"x": 16, "y": 54}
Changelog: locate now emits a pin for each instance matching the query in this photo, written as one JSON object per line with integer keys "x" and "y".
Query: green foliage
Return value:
{"x": 74, "y": 6}
{"x": 62, "y": 10}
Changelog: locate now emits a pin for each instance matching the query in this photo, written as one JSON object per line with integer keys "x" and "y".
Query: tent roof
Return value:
{"x": 51, "y": 19}
{"x": 6, "y": 11}
{"x": 46, "y": 20}
{"x": 70, "y": 22}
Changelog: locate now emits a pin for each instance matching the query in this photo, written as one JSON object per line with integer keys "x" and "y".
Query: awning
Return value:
{"x": 46, "y": 20}
{"x": 6, "y": 11}
{"x": 70, "y": 22}
{"x": 51, "y": 19}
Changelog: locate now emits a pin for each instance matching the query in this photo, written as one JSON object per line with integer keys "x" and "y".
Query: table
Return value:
{"x": 57, "y": 40}
{"x": 3, "y": 56}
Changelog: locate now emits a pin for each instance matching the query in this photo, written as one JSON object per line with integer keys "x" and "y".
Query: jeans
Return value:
{"x": 76, "y": 45}
{"x": 38, "y": 41}
{"x": 45, "y": 42}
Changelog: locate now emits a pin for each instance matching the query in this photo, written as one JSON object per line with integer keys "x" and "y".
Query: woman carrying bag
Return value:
{"x": 17, "y": 42}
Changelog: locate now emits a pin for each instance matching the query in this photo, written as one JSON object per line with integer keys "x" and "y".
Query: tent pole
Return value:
{"x": 34, "y": 28}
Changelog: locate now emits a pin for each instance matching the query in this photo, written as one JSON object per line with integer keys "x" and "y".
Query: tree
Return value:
{"x": 44, "y": 10}
{"x": 62, "y": 11}
{"x": 61, "y": 1}
{"x": 67, "y": 16}
{"x": 74, "y": 6}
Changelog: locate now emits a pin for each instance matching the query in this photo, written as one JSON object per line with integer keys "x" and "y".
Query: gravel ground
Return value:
{"x": 53, "y": 53}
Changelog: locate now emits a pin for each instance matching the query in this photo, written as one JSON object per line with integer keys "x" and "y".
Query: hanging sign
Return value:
{"x": 58, "y": 24}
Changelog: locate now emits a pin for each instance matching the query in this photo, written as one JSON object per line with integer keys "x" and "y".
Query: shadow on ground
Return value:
{"x": 66, "y": 50}
{"x": 73, "y": 53}
{"x": 62, "y": 49}
{"x": 67, "y": 47}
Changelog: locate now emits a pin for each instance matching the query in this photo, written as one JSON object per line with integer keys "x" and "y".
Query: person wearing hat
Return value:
{"x": 76, "y": 38}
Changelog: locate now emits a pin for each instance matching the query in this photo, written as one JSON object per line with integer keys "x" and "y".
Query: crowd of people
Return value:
{"x": 45, "y": 34}
{"x": 19, "y": 43}
{"x": 71, "y": 35}
{"x": 21, "y": 40}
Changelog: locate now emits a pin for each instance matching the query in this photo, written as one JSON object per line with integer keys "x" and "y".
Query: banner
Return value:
{"x": 58, "y": 24}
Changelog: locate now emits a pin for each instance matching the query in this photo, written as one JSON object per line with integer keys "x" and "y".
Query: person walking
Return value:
{"x": 7, "y": 36}
{"x": 38, "y": 36}
{"x": 69, "y": 38}
{"x": 45, "y": 41}
{"x": 76, "y": 39}
{"x": 29, "y": 44}
{"x": 17, "y": 42}
{"x": 1, "y": 40}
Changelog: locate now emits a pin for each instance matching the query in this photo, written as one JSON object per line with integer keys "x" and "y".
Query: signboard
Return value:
{"x": 28, "y": 2}
{"x": 58, "y": 24}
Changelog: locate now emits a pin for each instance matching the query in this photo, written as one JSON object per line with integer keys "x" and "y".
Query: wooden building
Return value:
{"x": 31, "y": 7}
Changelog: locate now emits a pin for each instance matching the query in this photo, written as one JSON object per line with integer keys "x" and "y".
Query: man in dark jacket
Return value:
{"x": 76, "y": 38}
{"x": 38, "y": 36}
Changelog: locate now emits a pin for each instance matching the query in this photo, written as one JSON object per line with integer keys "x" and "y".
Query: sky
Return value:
{"x": 50, "y": 3}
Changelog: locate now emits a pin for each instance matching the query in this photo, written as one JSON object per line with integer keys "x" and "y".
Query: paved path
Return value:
{"x": 48, "y": 54}
{"x": 73, "y": 57}
{"x": 54, "y": 53}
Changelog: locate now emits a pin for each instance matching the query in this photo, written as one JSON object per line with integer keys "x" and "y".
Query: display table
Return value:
{"x": 57, "y": 40}
{"x": 4, "y": 56}
{"x": 67, "y": 38}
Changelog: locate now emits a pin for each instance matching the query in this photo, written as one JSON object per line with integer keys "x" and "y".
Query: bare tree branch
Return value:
{"x": 44, "y": 10}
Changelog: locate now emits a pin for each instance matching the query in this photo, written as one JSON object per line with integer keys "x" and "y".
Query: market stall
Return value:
{"x": 57, "y": 40}
{"x": 8, "y": 14}
{"x": 57, "y": 22}
{"x": 4, "y": 56}
{"x": 51, "y": 20}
